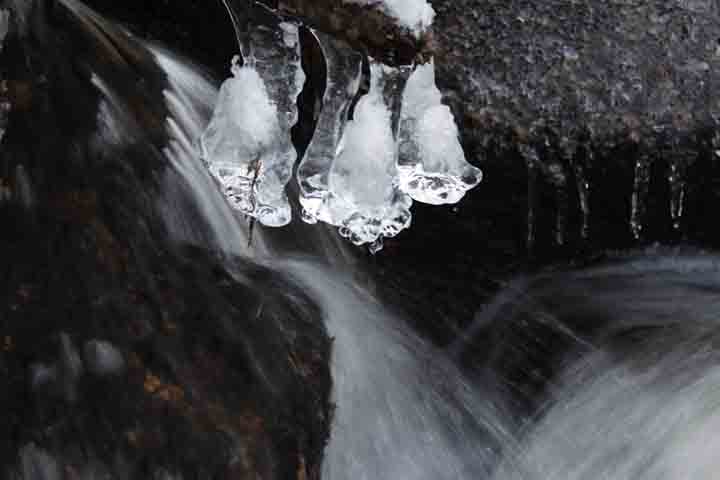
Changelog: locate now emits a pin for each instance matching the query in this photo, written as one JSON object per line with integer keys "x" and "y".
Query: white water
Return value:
{"x": 404, "y": 410}
{"x": 646, "y": 411}
{"x": 190, "y": 100}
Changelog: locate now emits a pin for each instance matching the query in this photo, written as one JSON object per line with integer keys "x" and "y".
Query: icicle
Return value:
{"x": 583, "y": 187}
{"x": 558, "y": 179}
{"x": 364, "y": 199}
{"x": 532, "y": 160}
{"x": 431, "y": 164}
{"x": 678, "y": 185}
{"x": 639, "y": 195}
{"x": 247, "y": 145}
{"x": 344, "y": 69}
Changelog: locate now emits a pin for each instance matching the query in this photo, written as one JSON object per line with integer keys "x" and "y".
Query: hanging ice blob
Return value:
{"x": 247, "y": 145}
{"x": 365, "y": 201}
{"x": 240, "y": 136}
{"x": 431, "y": 163}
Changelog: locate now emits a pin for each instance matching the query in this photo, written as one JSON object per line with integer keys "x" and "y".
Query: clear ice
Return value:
{"x": 361, "y": 174}
{"x": 431, "y": 164}
{"x": 247, "y": 146}
{"x": 344, "y": 70}
{"x": 362, "y": 197}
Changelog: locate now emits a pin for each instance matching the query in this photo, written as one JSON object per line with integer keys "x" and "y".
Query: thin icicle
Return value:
{"x": 344, "y": 69}
{"x": 639, "y": 195}
{"x": 678, "y": 185}
{"x": 558, "y": 179}
{"x": 532, "y": 161}
{"x": 583, "y": 188}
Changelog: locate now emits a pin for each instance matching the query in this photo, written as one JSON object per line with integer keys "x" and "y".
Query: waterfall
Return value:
{"x": 404, "y": 410}
{"x": 190, "y": 99}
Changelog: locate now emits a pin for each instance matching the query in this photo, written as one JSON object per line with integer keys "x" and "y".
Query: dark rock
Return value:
{"x": 224, "y": 376}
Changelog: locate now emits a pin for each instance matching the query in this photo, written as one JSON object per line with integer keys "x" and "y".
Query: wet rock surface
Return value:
{"x": 122, "y": 353}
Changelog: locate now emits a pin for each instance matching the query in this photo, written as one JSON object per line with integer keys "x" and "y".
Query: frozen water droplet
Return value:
{"x": 376, "y": 246}
{"x": 639, "y": 195}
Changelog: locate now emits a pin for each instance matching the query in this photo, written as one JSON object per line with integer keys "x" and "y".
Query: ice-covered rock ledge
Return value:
{"x": 393, "y": 31}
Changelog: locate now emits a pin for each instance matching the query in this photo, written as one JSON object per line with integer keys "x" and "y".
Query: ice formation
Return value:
{"x": 431, "y": 164}
{"x": 359, "y": 193}
{"x": 417, "y": 15}
{"x": 247, "y": 146}
{"x": 344, "y": 68}
{"x": 360, "y": 175}
{"x": 367, "y": 203}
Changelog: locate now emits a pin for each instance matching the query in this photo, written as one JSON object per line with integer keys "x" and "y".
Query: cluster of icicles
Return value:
{"x": 360, "y": 174}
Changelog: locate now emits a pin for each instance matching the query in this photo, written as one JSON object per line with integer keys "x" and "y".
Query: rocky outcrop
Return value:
{"x": 121, "y": 352}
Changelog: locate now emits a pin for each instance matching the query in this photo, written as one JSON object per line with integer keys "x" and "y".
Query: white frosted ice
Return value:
{"x": 416, "y": 15}
{"x": 247, "y": 145}
{"x": 364, "y": 200}
{"x": 431, "y": 164}
{"x": 240, "y": 135}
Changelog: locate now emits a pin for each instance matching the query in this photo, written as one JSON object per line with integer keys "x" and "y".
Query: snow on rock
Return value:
{"x": 431, "y": 163}
{"x": 417, "y": 15}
